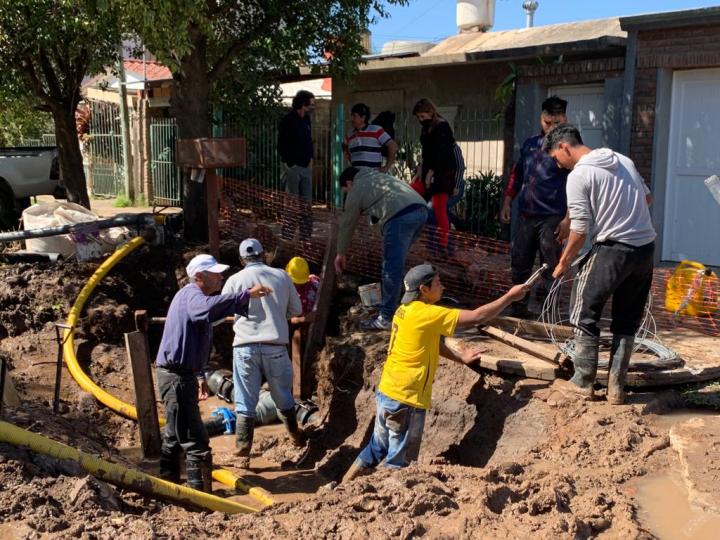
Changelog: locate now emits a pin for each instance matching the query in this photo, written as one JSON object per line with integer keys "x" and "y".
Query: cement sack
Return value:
{"x": 85, "y": 246}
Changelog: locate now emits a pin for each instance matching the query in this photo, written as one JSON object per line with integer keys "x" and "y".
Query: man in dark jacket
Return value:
{"x": 296, "y": 153}
{"x": 181, "y": 362}
{"x": 543, "y": 224}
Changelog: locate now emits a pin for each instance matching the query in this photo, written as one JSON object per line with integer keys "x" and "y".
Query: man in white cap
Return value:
{"x": 181, "y": 362}
{"x": 260, "y": 347}
{"x": 416, "y": 344}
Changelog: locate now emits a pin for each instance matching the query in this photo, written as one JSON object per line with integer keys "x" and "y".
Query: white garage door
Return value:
{"x": 692, "y": 217}
{"x": 586, "y": 107}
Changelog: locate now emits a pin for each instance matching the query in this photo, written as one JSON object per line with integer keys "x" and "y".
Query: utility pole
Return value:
{"x": 125, "y": 129}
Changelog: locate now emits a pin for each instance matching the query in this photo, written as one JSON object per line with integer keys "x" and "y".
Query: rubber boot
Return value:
{"x": 622, "y": 347}
{"x": 585, "y": 362}
{"x": 288, "y": 418}
{"x": 244, "y": 432}
{"x": 170, "y": 467}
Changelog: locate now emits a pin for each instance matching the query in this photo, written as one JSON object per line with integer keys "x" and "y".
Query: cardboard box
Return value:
{"x": 211, "y": 153}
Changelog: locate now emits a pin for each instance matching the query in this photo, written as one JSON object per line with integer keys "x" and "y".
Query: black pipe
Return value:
{"x": 29, "y": 257}
{"x": 122, "y": 220}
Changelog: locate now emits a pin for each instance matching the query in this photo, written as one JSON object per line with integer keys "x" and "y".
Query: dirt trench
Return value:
{"x": 501, "y": 457}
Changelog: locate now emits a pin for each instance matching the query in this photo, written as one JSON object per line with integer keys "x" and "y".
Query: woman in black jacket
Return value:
{"x": 437, "y": 173}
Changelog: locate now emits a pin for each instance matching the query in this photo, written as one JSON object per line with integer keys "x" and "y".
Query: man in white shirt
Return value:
{"x": 260, "y": 347}
{"x": 608, "y": 201}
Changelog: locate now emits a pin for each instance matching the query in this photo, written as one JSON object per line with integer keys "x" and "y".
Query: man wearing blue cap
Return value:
{"x": 416, "y": 344}
{"x": 260, "y": 347}
{"x": 181, "y": 362}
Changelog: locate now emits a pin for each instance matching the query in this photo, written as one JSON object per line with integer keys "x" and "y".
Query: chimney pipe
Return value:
{"x": 530, "y": 6}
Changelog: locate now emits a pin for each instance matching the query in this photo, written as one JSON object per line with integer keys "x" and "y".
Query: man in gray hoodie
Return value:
{"x": 608, "y": 201}
{"x": 260, "y": 346}
{"x": 399, "y": 212}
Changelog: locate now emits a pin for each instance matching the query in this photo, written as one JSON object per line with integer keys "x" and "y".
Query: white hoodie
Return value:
{"x": 607, "y": 199}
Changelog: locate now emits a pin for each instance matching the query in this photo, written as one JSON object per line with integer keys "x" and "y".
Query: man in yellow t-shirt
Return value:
{"x": 416, "y": 343}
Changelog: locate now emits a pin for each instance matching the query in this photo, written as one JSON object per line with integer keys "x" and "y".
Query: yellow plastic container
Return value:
{"x": 692, "y": 290}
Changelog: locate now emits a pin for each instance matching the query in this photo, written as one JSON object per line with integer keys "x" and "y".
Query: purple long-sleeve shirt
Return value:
{"x": 186, "y": 339}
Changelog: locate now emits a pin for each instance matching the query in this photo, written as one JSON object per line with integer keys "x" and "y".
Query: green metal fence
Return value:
{"x": 167, "y": 181}
{"x": 263, "y": 162}
{"x": 103, "y": 150}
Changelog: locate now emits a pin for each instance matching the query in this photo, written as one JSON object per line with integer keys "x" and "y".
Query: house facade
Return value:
{"x": 673, "y": 129}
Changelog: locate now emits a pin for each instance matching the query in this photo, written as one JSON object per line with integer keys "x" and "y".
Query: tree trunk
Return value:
{"x": 71, "y": 162}
{"x": 190, "y": 105}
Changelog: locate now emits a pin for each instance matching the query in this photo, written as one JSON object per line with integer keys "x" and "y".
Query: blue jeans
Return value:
{"x": 396, "y": 437}
{"x": 399, "y": 233}
{"x": 250, "y": 363}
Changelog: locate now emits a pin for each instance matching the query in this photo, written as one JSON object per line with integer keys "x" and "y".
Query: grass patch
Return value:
{"x": 705, "y": 395}
{"x": 122, "y": 201}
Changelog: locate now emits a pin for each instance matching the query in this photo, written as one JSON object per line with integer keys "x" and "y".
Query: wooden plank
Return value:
{"x": 296, "y": 357}
{"x": 527, "y": 366}
{"x": 213, "y": 186}
{"x": 536, "y": 349}
{"x": 138, "y": 352}
{"x": 316, "y": 332}
{"x": 10, "y": 396}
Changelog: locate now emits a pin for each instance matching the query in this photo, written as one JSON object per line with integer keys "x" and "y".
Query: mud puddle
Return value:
{"x": 667, "y": 513}
{"x": 663, "y": 498}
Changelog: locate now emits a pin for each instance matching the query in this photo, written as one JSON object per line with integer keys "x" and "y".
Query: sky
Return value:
{"x": 433, "y": 20}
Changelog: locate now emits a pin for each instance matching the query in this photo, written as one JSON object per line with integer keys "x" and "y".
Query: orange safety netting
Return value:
{"x": 476, "y": 270}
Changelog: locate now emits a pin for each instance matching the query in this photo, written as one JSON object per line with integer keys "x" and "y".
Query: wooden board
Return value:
{"x": 137, "y": 348}
{"x": 316, "y": 332}
{"x": 700, "y": 353}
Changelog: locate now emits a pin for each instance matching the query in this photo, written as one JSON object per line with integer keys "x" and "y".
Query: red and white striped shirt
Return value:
{"x": 365, "y": 146}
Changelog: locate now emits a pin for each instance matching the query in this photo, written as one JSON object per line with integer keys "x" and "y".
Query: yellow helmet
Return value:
{"x": 299, "y": 270}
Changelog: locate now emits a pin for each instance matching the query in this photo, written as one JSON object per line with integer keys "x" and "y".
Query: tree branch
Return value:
{"x": 223, "y": 63}
{"x": 29, "y": 70}
{"x": 50, "y": 77}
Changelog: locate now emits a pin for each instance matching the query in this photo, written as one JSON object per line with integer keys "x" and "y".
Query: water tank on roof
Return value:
{"x": 406, "y": 47}
{"x": 475, "y": 15}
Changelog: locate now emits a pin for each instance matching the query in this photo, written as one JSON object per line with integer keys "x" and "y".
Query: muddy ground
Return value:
{"x": 501, "y": 457}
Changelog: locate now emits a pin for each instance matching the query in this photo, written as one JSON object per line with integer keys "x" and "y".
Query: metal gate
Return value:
{"x": 103, "y": 150}
{"x": 167, "y": 182}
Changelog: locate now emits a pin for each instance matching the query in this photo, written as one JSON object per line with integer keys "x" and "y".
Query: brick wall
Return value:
{"x": 678, "y": 48}
{"x": 574, "y": 71}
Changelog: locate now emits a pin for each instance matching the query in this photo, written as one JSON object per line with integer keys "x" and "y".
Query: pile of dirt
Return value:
{"x": 501, "y": 457}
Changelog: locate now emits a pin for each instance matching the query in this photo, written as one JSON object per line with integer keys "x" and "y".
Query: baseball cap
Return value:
{"x": 299, "y": 270}
{"x": 250, "y": 247}
{"x": 421, "y": 274}
{"x": 204, "y": 263}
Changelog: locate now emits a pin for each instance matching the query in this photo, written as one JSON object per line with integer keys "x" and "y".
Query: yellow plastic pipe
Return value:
{"x": 229, "y": 479}
{"x": 117, "y": 474}
{"x": 107, "y": 399}
{"x": 85, "y": 382}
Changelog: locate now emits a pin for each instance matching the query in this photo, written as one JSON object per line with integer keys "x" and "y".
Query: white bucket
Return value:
{"x": 370, "y": 294}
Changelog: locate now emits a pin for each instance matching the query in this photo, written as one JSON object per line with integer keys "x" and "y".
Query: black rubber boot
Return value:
{"x": 244, "y": 432}
{"x": 199, "y": 474}
{"x": 289, "y": 419}
{"x": 620, "y": 353}
{"x": 585, "y": 361}
{"x": 170, "y": 467}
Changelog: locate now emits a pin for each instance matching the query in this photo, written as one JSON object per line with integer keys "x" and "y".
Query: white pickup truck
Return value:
{"x": 26, "y": 172}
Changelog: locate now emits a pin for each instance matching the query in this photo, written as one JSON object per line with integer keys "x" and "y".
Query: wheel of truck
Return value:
{"x": 9, "y": 215}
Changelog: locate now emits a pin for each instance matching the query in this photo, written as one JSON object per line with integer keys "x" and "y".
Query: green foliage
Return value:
{"x": 237, "y": 51}
{"x": 19, "y": 119}
{"x": 48, "y": 46}
{"x": 483, "y": 199}
{"x": 122, "y": 201}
